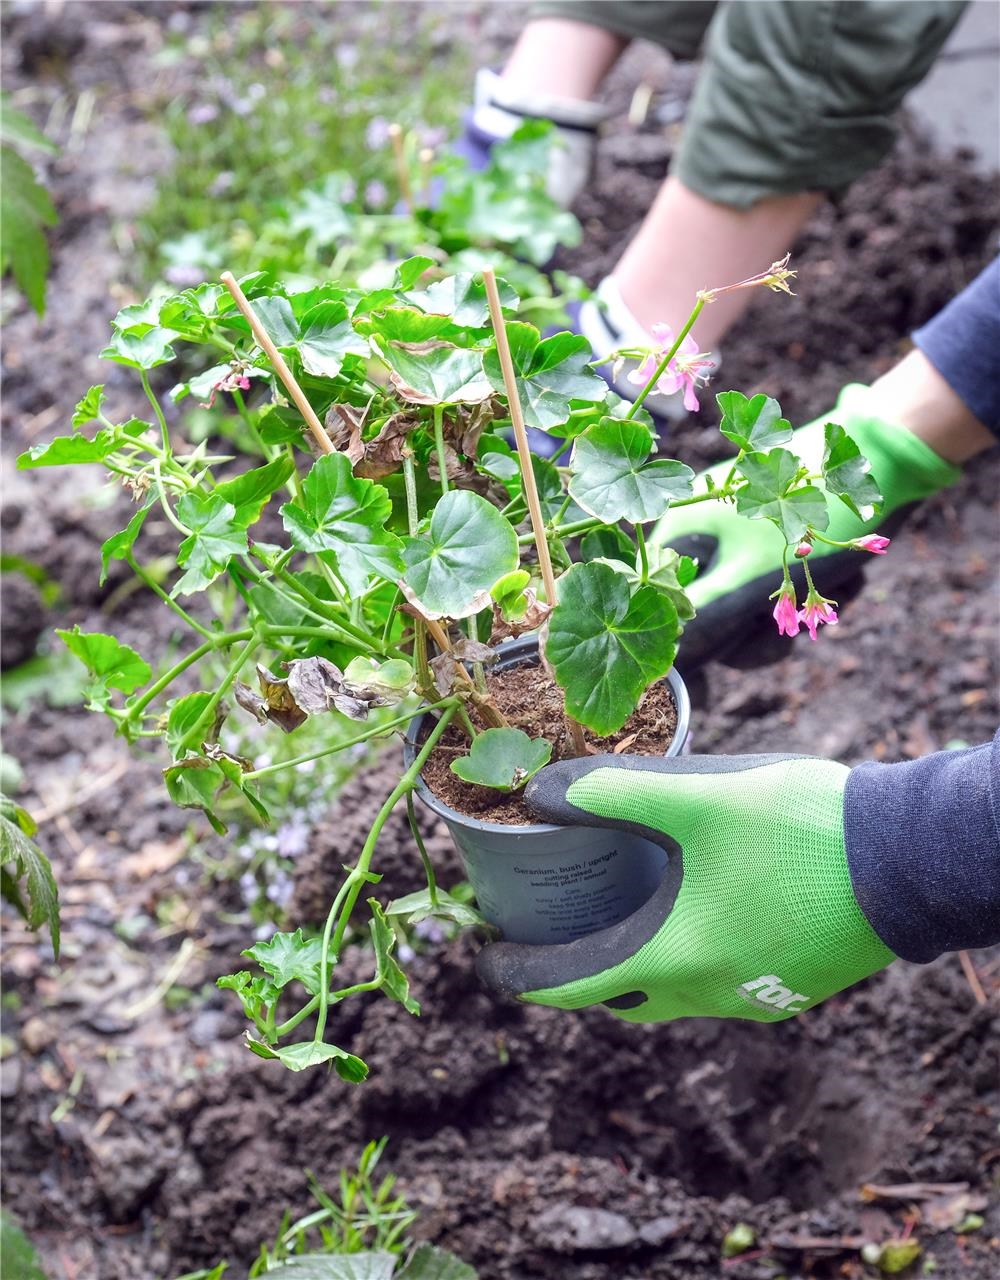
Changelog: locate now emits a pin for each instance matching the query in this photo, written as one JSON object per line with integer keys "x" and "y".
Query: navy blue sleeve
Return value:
{"x": 963, "y": 343}
{"x": 923, "y": 848}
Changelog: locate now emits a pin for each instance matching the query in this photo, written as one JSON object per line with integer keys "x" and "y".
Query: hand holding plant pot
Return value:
{"x": 756, "y": 917}
{"x": 382, "y": 573}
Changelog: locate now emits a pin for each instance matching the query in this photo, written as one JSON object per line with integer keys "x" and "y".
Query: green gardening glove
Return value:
{"x": 740, "y": 560}
{"x": 755, "y": 918}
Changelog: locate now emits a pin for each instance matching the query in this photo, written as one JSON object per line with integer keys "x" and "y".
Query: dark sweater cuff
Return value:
{"x": 923, "y": 849}
{"x": 963, "y": 343}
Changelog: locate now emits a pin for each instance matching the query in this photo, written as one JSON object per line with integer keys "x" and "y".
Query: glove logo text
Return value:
{"x": 768, "y": 992}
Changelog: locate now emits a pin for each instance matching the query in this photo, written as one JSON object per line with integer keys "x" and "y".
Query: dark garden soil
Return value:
{"x": 531, "y": 701}
{"x": 141, "y": 1139}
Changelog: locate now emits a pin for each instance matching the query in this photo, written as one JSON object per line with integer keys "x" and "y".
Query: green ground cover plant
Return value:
{"x": 386, "y": 538}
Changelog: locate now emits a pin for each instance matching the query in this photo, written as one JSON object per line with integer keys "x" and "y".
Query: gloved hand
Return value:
{"x": 755, "y": 918}
{"x": 740, "y": 559}
{"x": 499, "y": 110}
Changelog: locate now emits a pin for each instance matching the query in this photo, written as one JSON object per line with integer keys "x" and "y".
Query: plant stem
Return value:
{"x": 333, "y": 939}
{"x": 418, "y": 840}
{"x": 410, "y": 486}
{"x": 439, "y": 446}
{"x": 342, "y": 745}
{"x": 263, "y": 340}
{"x": 209, "y": 710}
{"x": 528, "y": 485}
{"x": 164, "y": 432}
{"x": 155, "y": 587}
{"x": 640, "y": 539}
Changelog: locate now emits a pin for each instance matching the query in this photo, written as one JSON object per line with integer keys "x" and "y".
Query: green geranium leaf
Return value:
{"x": 119, "y": 545}
{"x": 140, "y": 317}
{"x": 434, "y": 371}
{"x": 394, "y": 981}
{"x": 26, "y": 879}
{"x": 289, "y": 957}
{"x": 410, "y": 270}
{"x": 189, "y": 314}
{"x": 67, "y": 451}
{"x": 111, "y": 664}
{"x": 754, "y": 425}
{"x": 276, "y": 315}
{"x": 25, "y": 208}
{"x": 504, "y": 759}
{"x": 774, "y": 492}
{"x": 462, "y": 297}
{"x": 256, "y": 992}
{"x": 216, "y": 536}
{"x": 18, "y": 1258}
{"x": 249, "y": 493}
{"x": 193, "y": 784}
{"x": 140, "y": 350}
{"x": 612, "y": 479}
{"x": 549, "y": 374}
{"x": 607, "y": 544}
{"x": 184, "y": 714}
{"x": 410, "y": 325}
{"x": 313, "y": 1053}
{"x": 344, "y": 517}
{"x": 468, "y": 548}
{"x": 429, "y": 1262}
{"x": 89, "y": 407}
{"x": 280, "y": 425}
{"x": 327, "y": 338}
{"x": 847, "y": 473}
{"x": 422, "y": 905}
{"x": 606, "y": 645}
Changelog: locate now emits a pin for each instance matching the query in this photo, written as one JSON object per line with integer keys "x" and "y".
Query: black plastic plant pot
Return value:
{"x": 544, "y": 883}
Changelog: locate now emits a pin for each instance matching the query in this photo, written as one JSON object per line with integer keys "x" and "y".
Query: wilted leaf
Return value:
{"x": 421, "y": 906}
{"x": 392, "y": 978}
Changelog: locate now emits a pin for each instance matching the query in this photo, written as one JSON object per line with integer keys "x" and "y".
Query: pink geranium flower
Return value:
{"x": 817, "y": 612}
{"x": 786, "y": 612}
{"x": 873, "y": 542}
{"x": 684, "y": 372}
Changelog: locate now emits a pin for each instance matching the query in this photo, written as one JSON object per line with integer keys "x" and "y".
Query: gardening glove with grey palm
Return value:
{"x": 499, "y": 110}
{"x": 756, "y": 917}
{"x": 740, "y": 559}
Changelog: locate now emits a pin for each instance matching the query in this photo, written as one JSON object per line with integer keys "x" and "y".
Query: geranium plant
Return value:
{"x": 388, "y": 537}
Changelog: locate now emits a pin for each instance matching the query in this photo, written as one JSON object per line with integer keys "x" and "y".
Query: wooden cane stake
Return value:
{"x": 280, "y": 367}
{"x": 527, "y": 471}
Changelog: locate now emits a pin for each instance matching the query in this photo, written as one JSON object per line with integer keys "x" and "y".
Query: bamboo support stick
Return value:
{"x": 527, "y": 471}
{"x": 281, "y": 368}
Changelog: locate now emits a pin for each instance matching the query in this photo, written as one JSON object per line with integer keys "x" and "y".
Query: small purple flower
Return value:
{"x": 203, "y": 113}
{"x": 376, "y": 194}
{"x": 377, "y": 133}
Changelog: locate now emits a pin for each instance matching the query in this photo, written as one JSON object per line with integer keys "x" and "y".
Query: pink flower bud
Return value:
{"x": 802, "y": 550}
{"x": 873, "y": 542}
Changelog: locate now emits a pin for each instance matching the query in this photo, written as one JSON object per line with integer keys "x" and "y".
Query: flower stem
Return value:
{"x": 345, "y": 901}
